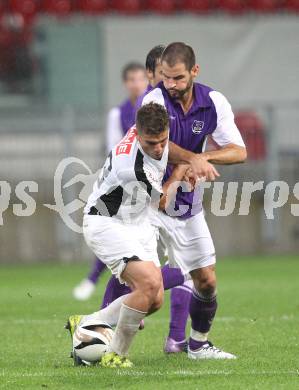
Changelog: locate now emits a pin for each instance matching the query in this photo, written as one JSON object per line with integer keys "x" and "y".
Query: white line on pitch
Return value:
{"x": 135, "y": 373}
{"x": 153, "y": 320}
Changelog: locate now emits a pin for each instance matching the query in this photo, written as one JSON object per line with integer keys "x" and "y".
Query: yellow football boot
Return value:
{"x": 113, "y": 360}
{"x": 72, "y": 323}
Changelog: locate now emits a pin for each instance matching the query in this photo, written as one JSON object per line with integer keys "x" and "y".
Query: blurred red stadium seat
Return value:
{"x": 253, "y": 133}
{"x": 57, "y": 7}
{"x": 263, "y": 5}
{"x": 197, "y": 6}
{"x": 292, "y": 5}
{"x": 231, "y": 6}
{"x": 126, "y": 6}
{"x": 27, "y": 8}
{"x": 161, "y": 6}
{"x": 3, "y": 6}
{"x": 92, "y": 6}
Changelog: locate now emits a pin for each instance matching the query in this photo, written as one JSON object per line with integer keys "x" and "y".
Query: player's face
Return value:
{"x": 136, "y": 83}
{"x": 153, "y": 145}
{"x": 178, "y": 80}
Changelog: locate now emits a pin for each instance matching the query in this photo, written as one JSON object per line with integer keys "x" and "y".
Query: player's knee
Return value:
{"x": 158, "y": 302}
{"x": 207, "y": 286}
{"x": 205, "y": 282}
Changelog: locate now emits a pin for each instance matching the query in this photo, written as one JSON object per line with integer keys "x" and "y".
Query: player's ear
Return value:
{"x": 195, "y": 70}
{"x": 149, "y": 75}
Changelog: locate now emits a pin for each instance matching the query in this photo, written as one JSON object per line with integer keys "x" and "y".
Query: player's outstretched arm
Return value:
{"x": 228, "y": 154}
{"x": 200, "y": 166}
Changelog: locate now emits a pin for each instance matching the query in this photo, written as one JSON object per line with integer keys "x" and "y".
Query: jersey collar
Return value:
{"x": 201, "y": 97}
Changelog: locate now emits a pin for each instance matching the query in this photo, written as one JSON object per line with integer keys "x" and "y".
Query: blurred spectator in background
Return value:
{"x": 16, "y": 59}
{"x": 120, "y": 119}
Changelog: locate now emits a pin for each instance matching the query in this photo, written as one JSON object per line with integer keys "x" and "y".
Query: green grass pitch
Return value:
{"x": 257, "y": 319}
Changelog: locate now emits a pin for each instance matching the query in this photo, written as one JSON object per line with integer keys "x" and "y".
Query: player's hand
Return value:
{"x": 201, "y": 169}
{"x": 190, "y": 178}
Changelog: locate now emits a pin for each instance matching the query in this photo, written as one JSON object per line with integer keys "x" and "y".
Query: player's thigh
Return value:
{"x": 108, "y": 238}
{"x": 161, "y": 250}
{"x": 147, "y": 235}
{"x": 189, "y": 242}
{"x": 116, "y": 243}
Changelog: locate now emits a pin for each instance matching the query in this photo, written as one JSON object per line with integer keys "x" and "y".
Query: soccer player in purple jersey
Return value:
{"x": 195, "y": 111}
{"x": 120, "y": 120}
{"x": 180, "y": 295}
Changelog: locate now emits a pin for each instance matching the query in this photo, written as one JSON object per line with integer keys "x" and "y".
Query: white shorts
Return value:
{"x": 189, "y": 242}
{"x": 114, "y": 242}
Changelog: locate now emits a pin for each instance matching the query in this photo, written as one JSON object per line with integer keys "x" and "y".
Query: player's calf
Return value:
{"x": 154, "y": 292}
{"x": 146, "y": 282}
{"x": 126, "y": 329}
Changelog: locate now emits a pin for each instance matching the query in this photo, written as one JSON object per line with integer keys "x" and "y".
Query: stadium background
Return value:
{"x": 60, "y": 73}
{"x": 60, "y": 63}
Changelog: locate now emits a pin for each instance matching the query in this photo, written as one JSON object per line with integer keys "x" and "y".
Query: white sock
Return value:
{"x": 110, "y": 314}
{"x": 198, "y": 336}
{"x": 127, "y": 327}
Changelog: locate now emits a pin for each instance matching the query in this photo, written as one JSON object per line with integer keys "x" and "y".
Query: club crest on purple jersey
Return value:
{"x": 197, "y": 126}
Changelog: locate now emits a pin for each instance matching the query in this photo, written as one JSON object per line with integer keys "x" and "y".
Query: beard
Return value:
{"x": 179, "y": 94}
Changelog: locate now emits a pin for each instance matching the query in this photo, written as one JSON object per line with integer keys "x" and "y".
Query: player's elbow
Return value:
{"x": 242, "y": 154}
{"x": 162, "y": 203}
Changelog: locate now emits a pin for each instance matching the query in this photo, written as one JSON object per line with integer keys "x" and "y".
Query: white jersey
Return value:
{"x": 129, "y": 183}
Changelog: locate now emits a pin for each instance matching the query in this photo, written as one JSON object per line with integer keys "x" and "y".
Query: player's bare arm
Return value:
{"x": 228, "y": 154}
{"x": 200, "y": 166}
{"x": 169, "y": 188}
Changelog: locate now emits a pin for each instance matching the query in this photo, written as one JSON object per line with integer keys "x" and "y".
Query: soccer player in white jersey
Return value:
{"x": 116, "y": 225}
{"x": 120, "y": 119}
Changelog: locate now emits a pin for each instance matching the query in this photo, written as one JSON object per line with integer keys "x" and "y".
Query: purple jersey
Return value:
{"x": 127, "y": 115}
{"x": 210, "y": 113}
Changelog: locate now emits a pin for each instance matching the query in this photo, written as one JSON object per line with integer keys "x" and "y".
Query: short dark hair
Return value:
{"x": 152, "y": 118}
{"x": 179, "y": 52}
{"x": 154, "y": 56}
{"x": 131, "y": 67}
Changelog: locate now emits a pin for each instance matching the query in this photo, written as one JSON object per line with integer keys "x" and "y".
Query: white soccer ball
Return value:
{"x": 90, "y": 342}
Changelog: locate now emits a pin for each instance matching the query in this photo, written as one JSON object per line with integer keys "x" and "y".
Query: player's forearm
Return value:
{"x": 169, "y": 187}
{"x": 201, "y": 167}
{"x": 178, "y": 155}
{"x": 230, "y": 154}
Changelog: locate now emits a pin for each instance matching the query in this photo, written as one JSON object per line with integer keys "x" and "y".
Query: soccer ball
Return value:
{"x": 90, "y": 342}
